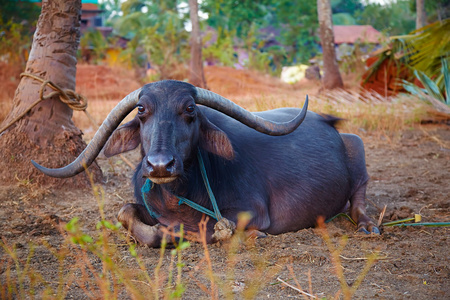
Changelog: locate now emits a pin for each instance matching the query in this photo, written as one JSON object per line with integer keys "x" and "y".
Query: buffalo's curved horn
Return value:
{"x": 85, "y": 159}
{"x": 229, "y": 108}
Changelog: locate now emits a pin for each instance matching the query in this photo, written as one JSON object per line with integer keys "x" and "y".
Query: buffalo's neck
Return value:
{"x": 171, "y": 213}
{"x": 165, "y": 198}
{"x": 190, "y": 186}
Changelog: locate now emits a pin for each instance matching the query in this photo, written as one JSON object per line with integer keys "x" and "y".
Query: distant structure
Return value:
{"x": 348, "y": 38}
{"x": 91, "y": 15}
{"x": 352, "y": 34}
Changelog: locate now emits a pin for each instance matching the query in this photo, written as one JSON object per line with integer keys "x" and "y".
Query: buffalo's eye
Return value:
{"x": 190, "y": 108}
{"x": 140, "y": 109}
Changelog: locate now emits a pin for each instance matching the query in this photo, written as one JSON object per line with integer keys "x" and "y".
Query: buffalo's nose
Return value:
{"x": 160, "y": 165}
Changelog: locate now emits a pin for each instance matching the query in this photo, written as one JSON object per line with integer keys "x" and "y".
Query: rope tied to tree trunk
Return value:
{"x": 70, "y": 97}
{"x": 75, "y": 101}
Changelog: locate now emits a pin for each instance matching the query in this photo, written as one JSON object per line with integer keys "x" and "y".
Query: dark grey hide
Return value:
{"x": 285, "y": 182}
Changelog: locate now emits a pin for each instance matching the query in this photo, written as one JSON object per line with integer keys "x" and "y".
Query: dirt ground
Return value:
{"x": 409, "y": 174}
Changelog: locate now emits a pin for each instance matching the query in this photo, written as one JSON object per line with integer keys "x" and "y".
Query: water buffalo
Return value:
{"x": 264, "y": 163}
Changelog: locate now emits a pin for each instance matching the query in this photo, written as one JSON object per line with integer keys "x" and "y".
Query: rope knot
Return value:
{"x": 74, "y": 100}
{"x": 70, "y": 97}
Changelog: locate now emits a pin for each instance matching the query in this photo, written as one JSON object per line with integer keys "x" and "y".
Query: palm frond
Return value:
{"x": 425, "y": 49}
{"x": 446, "y": 73}
{"x": 431, "y": 92}
{"x": 430, "y": 86}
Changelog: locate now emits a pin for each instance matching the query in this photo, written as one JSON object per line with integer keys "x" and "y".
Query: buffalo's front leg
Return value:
{"x": 145, "y": 229}
{"x": 224, "y": 230}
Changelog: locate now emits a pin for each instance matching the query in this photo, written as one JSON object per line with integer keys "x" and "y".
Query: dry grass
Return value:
{"x": 364, "y": 112}
{"x": 369, "y": 112}
{"x": 5, "y": 107}
{"x": 104, "y": 264}
{"x": 105, "y": 83}
{"x": 9, "y": 80}
{"x": 112, "y": 277}
{"x": 375, "y": 116}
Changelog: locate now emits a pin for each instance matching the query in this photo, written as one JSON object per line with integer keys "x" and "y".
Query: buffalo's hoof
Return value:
{"x": 223, "y": 230}
{"x": 255, "y": 234}
{"x": 373, "y": 230}
{"x": 362, "y": 229}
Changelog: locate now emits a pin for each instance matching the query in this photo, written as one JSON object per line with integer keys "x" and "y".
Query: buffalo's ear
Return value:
{"x": 125, "y": 138}
{"x": 214, "y": 140}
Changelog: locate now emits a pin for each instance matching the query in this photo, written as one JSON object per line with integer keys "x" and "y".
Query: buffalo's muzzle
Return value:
{"x": 159, "y": 168}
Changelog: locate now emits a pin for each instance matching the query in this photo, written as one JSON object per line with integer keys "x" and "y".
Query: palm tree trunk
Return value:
{"x": 331, "y": 77}
{"x": 196, "y": 74}
{"x": 421, "y": 17}
{"x": 46, "y": 133}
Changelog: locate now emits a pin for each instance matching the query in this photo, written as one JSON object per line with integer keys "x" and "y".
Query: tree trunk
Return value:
{"x": 331, "y": 76}
{"x": 421, "y": 17}
{"x": 46, "y": 134}
{"x": 196, "y": 74}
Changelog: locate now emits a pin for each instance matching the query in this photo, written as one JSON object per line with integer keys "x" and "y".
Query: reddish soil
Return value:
{"x": 409, "y": 174}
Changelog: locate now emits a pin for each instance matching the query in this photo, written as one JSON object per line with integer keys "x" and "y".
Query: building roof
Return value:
{"x": 89, "y": 7}
{"x": 350, "y": 34}
{"x": 82, "y": 1}
{"x": 85, "y": 5}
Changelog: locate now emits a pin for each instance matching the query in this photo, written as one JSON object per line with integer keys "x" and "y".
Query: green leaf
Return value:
{"x": 184, "y": 245}
{"x": 446, "y": 73}
{"x": 132, "y": 250}
{"x": 179, "y": 290}
{"x": 72, "y": 226}
{"x": 424, "y": 50}
{"x": 431, "y": 87}
{"x": 86, "y": 238}
{"x": 343, "y": 19}
{"x": 413, "y": 89}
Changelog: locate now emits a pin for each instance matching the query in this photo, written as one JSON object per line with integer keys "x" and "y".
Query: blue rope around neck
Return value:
{"x": 148, "y": 185}
{"x": 181, "y": 200}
